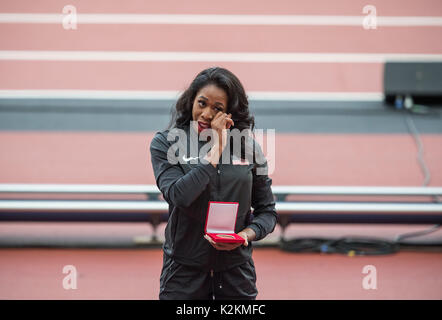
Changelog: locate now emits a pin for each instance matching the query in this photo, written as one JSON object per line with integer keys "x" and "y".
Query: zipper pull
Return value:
{"x": 213, "y": 289}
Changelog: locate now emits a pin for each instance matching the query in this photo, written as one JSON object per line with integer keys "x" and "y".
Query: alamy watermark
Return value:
{"x": 70, "y": 280}
{"x": 69, "y": 17}
{"x": 370, "y": 20}
{"x": 246, "y": 145}
{"x": 369, "y": 282}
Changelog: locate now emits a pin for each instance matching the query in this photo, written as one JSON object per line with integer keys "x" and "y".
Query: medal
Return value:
{"x": 225, "y": 236}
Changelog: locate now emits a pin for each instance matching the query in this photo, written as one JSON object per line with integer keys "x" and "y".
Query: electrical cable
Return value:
{"x": 413, "y": 130}
{"x": 303, "y": 244}
{"x": 364, "y": 246}
{"x": 427, "y": 177}
{"x": 352, "y": 246}
{"x": 401, "y": 237}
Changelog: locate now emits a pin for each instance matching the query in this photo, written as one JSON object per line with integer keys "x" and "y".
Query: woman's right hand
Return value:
{"x": 220, "y": 123}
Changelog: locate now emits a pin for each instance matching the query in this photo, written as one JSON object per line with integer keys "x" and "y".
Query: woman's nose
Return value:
{"x": 207, "y": 115}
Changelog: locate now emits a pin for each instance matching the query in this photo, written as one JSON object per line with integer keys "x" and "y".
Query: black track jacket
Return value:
{"x": 188, "y": 187}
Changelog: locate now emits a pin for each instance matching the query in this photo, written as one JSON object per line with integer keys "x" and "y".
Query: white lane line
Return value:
{"x": 212, "y": 19}
{"x": 173, "y": 95}
{"x": 90, "y": 94}
{"x": 316, "y": 96}
{"x": 183, "y": 56}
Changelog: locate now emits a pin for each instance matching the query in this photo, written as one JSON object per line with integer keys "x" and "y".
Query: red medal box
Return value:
{"x": 221, "y": 220}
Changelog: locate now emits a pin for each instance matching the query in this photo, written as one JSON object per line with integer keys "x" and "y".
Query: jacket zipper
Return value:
{"x": 214, "y": 255}
{"x": 213, "y": 284}
{"x": 218, "y": 181}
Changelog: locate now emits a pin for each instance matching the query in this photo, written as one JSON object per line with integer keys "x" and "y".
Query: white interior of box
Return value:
{"x": 221, "y": 217}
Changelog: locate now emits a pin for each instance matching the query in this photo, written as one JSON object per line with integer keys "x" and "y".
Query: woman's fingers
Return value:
{"x": 219, "y": 115}
{"x": 229, "y": 121}
{"x": 222, "y": 121}
{"x": 220, "y": 245}
{"x": 208, "y": 239}
{"x": 218, "y": 121}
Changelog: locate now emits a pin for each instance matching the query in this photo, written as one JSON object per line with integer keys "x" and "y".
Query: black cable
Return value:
{"x": 350, "y": 246}
{"x": 368, "y": 246}
{"x": 420, "y": 147}
{"x": 364, "y": 246}
{"x": 302, "y": 244}
{"x": 399, "y": 238}
{"x": 424, "y": 168}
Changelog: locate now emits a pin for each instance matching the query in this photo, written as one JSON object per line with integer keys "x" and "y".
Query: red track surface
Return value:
{"x": 134, "y": 274}
{"x": 305, "y": 7}
{"x": 91, "y": 157}
{"x": 310, "y": 77}
{"x": 221, "y": 38}
{"x": 300, "y": 159}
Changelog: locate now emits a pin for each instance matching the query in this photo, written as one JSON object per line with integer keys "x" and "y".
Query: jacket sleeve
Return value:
{"x": 263, "y": 202}
{"x": 178, "y": 188}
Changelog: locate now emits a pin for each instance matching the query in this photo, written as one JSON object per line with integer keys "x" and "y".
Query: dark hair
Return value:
{"x": 237, "y": 104}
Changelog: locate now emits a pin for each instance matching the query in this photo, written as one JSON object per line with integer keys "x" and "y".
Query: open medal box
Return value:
{"x": 221, "y": 220}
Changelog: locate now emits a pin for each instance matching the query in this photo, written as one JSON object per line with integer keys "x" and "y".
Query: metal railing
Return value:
{"x": 155, "y": 211}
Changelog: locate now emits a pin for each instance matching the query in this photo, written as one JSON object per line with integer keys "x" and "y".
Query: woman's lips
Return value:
{"x": 202, "y": 126}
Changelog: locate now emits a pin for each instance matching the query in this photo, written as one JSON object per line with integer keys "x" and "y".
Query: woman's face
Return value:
{"x": 208, "y": 102}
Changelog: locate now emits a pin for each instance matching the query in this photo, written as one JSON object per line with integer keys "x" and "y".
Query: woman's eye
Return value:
{"x": 219, "y": 109}
{"x": 202, "y": 103}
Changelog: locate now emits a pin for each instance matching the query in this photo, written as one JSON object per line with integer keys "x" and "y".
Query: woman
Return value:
{"x": 195, "y": 266}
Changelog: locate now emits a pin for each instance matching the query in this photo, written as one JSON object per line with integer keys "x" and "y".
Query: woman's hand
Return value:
{"x": 225, "y": 246}
{"x": 220, "y": 123}
{"x": 247, "y": 234}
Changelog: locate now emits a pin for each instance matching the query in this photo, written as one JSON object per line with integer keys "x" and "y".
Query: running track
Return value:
{"x": 100, "y": 57}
